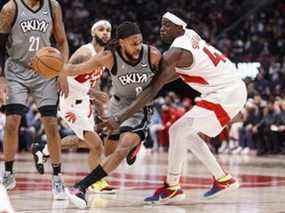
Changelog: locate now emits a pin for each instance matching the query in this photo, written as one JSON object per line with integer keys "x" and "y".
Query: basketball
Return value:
{"x": 48, "y": 62}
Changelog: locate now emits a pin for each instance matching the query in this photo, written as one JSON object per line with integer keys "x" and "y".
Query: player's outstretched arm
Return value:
{"x": 104, "y": 59}
{"x": 58, "y": 29}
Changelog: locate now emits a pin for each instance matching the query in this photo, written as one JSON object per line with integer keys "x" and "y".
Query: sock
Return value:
{"x": 56, "y": 169}
{"x": 9, "y": 166}
{"x": 201, "y": 150}
{"x": 97, "y": 174}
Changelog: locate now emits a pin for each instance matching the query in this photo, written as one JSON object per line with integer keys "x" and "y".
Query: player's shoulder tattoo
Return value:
{"x": 7, "y": 16}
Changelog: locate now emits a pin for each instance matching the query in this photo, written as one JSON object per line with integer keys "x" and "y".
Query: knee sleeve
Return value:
{"x": 48, "y": 111}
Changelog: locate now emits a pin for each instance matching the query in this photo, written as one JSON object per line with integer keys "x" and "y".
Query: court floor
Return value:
{"x": 262, "y": 186}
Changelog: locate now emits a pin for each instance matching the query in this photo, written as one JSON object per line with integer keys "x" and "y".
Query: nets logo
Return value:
{"x": 34, "y": 25}
{"x": 133, "y": 78}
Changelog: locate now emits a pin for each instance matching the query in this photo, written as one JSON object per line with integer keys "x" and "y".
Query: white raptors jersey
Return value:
{"x": 80, "y": 85}
{"x": 211, "y": 70}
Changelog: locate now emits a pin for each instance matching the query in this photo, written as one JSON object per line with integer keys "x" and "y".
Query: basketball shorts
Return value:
{"x": 137, "y": 124}
{"x": 78, "y": 114}
{"x": 215, "y": 110}
{"x": 22, "y": 82}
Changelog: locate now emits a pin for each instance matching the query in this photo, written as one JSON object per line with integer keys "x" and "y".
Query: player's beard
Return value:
{"x": 130, "y": 57}
{"x": 100, "y": 41}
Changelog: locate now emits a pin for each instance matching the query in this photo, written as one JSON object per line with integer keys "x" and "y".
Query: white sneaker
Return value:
{"x": 9, "y": 180}
{"x": 58, "y": 188}
{"x": 5, "y": 205}
{"x": 77, "y": 197}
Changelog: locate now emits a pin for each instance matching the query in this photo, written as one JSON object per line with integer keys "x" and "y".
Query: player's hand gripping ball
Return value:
{"x": 48, "y": 62}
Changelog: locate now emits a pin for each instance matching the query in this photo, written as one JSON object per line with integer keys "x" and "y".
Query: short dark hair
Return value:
{"x": 127, "y": 29}
{"x": 124, "y": 30}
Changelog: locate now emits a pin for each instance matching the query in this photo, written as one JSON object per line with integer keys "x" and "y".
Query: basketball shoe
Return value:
{"x": 166, "y": 194}
{"x": 77, "y": 197}
{"x": 58, "y": 188}
{"x": 224, "y": 184}
{"x": 38, "y": 157}
{"x": 5, "y": 205}
{"x": 9, "y": 180}
{"x": 102, "y": 187}
{"x": 132, "y": 156}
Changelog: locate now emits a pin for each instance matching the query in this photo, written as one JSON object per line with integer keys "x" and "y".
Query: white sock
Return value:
{"x": 201, "y": 150}
{"x": 176, "y": 156}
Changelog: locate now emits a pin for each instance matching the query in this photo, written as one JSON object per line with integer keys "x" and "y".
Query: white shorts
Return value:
{"x": 215, "y": 110}
{"x": 78, "y": 113}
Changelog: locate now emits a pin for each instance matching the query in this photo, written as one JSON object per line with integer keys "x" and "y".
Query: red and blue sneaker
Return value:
{"x": 132, "y": 156}
{"x": 166, "y": 194}
{"x": 77, "y": 197}
{"x": 224, "y": 184}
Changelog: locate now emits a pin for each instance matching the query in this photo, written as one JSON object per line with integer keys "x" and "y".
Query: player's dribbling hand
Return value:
{"x": 110, "y": 124}
{"x": 99, "y": 96}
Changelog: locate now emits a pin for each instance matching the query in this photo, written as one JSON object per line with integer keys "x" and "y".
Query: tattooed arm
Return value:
{"x": 174, "y": 57}
{"x": 103, "y": 59}
{"x": 7, "y": 16}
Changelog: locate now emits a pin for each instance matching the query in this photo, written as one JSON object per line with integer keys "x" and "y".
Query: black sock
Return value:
{"x": 97, "y": 174}
{"x": 56, "y": 169}
{"x": 9, "y": 166}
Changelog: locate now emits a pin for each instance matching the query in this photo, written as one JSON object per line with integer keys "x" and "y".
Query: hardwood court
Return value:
{"x": 262, "y": 186}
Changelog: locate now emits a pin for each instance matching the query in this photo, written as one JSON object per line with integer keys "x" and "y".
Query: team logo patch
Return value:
{"x": 134, "y": 78}
{"x": 34, "y": 25}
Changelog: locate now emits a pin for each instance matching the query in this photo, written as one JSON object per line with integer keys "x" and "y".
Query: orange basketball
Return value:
{"x": 48, "y": 62}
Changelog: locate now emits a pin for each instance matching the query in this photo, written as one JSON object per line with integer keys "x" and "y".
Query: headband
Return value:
{"x": 174, "y": 19}
{"x": 100, "y": 23}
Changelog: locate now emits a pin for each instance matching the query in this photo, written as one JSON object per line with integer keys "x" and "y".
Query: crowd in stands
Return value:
{"x": 245, "y": 31}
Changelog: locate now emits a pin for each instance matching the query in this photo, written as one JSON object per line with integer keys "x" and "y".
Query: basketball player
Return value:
{"x": 133, "y": 65}
{"x": 25, "y": 27}
{"x": 78, "y": 103}
{"x": 76, "y": 109}
{"x": 5, "y": 205}
{"x": 224, "y": 94}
